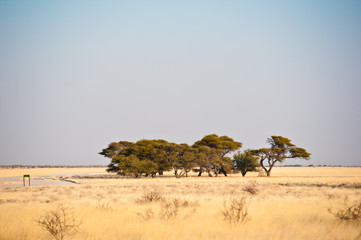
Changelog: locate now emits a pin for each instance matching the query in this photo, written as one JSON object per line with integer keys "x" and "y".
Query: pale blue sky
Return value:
{"x": 77, "y": 75}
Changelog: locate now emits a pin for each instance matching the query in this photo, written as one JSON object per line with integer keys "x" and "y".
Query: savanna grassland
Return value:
{"x": 292, "y": 204}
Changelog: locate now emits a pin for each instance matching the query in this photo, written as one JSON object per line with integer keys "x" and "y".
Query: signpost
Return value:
{"x": 28, "y": 176}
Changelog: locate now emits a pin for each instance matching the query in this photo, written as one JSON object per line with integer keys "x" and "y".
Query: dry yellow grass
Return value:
{"x": 18, "y": 172}
{"x": 292, "y": 204}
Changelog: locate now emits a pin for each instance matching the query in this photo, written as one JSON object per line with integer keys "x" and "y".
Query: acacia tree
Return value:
{"x": 115, "y": 148}
{"x": 132, "y": 165}
{"x": 153, "y": 150}
{"x": 281, "y": 149}
{"x": 207, "y": 160}
{"x": 245, "y": 162}
{"x": 143, "y": 157}
{"x": 221, "y": 145}
{"x": 155, "y": 156}
{"x": 182, "y": 158}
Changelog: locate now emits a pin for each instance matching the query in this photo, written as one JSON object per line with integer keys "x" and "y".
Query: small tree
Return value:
{"x": 207, "y": 159}
{"x": 185, "y": 160}
{"x": 181, "y": 157}
{"x": 144, "y": 156}
{"x": 222, "y": 145}
{"x": 281, "y": 149}
{"x": 245, "y": 162}
{"x": 59, "y": 222}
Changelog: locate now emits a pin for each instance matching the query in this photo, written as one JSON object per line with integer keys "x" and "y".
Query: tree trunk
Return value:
{"x": 179, "y": 174}
{"x": 223, "y": 171}
{"x": 269, "y": 169}
{"x": 264, "y": 168}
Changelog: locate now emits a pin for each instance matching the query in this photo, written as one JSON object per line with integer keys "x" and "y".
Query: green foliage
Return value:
{"x": 132, "y": 165}
{"x": 281, "y": 149}
{"x": 143, "y": 157}
{"x": 115, "y": 148}
{"x": 221, "y": 146}
{"x": 148, "y": 157}
{"x": 245, "y": 162}
{"x": 152, "y": 150}
{"x": 184, "y": 160}
{"x": 207, "y": 159}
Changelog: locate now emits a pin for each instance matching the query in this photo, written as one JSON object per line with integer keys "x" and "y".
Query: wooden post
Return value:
{"x": 28, "y": 176}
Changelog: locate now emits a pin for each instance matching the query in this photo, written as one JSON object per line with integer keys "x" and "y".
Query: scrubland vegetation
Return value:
{"x": 295, "y": 203}
{"x": 210, "y": 155}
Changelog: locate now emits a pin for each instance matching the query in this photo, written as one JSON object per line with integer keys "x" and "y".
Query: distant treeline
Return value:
{"x": 209, "y": 155}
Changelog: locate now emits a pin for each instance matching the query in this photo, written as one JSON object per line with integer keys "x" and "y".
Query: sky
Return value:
{"x": 78, "y": 75}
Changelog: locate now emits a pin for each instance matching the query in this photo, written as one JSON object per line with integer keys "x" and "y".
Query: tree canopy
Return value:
{"x": 221, "y": 146}
{"x": 280, "y": 149}
{"x": 210, "y": 154}
{"x": 245, "y": 162}
{"x": 149, "y": 157}
{"x": 133, "y": 158}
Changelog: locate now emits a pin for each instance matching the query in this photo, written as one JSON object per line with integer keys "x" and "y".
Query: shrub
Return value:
{"x": 261, "y": 172}
{"x": 347, "y": 211}
{"x": 104, "y": 206}
{"x": 169, "y": 209}
{"x": 251, "y": 188}
{"x": 148, "y": 197}
{"x": 235, "y": 210}
{"x": 59, "y": 222}
{"x": 245, "y": 162}
{"x": 146, "y": 215}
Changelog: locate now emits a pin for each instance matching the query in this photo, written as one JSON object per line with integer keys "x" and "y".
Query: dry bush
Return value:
{"x": 148, "y": 197}
{"x": 173, "y": 208}
{"x": 251, "y": 188}
{"x": 59, "y": 222}
{"x": 330, "y": 196}
{"x": 235, "y": 209}
{"x": 169, "y": 209}
{"x": 146, "y": 215}
{"x": 261, "y": 172}
{"x": 347, "y": 211}
{"x": 183, "y": 203}
{"x": 104, "y": 206}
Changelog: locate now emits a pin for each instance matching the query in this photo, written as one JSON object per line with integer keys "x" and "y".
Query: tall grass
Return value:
{"x": 284, "y": 207}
